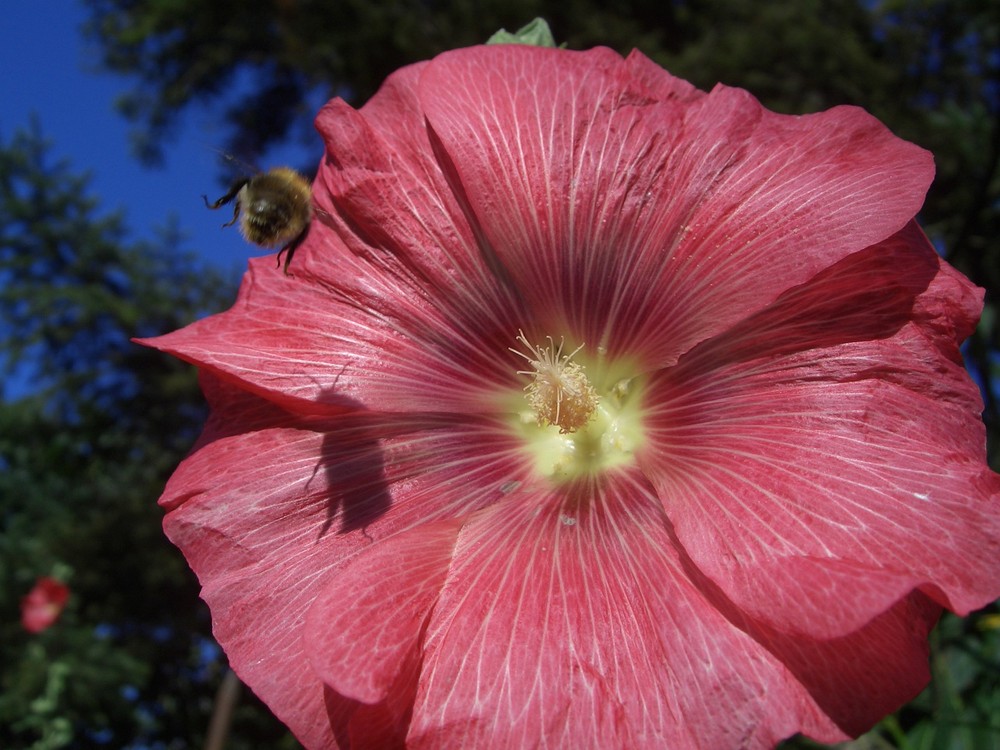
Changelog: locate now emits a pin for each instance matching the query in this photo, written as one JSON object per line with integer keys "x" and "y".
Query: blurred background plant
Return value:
{"x": 86, "y": 449}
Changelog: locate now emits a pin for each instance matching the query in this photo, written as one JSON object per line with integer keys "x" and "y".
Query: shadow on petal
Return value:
{"x": 354, "y": 467}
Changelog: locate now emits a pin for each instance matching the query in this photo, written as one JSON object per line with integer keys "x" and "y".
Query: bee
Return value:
{"x": 274, "y": 209}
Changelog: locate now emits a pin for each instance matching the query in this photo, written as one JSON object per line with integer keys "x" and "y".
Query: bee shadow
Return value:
{"x": 352, "y": 463}
{"x": 354, "y": 468}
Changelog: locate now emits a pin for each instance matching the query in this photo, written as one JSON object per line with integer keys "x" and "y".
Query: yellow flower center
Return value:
{"x": 584, "y": 413}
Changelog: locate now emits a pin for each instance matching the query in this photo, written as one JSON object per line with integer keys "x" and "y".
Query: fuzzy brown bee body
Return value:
{"x": 273, "y": 208}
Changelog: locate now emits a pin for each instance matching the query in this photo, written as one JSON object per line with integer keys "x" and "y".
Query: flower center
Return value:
{"x": 584, "y": 413}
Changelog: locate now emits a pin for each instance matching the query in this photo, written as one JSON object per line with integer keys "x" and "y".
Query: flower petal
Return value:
{"x": 371, "y": 343}
{"x": 272, "y": 503}
{"x": 643, "y": 226}
{"x": 567, "y": 621}
{"x": 391, "y": 589}
{"x": 861, "y": 677}
{"x": 384, "y": 193}
{"x": 823, "y": 459}
{"x": 656, "y": 82}
{"x": 364, "y": 632}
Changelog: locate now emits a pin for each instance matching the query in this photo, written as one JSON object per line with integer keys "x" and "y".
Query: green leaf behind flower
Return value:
{"x": 536, "y": 34}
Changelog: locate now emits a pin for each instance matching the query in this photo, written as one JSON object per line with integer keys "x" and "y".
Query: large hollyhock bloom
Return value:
{"x": 597, "y": 412}
{"x": 42, "y": 606}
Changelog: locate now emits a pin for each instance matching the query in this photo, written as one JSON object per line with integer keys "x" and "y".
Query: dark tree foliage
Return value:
{"x": 83, "y": 457}
{"x": 264, "y": 60}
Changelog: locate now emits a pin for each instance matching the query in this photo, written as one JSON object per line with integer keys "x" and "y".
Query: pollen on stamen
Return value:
{"x": 559, "y": 392}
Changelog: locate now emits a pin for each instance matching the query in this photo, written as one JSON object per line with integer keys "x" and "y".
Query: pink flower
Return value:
{"x": 598, "y": 412}
{"x": 41, "y": 607}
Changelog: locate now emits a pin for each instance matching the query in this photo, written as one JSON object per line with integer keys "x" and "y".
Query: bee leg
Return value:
{"x": 236, "y": 215}
{"x": 233, "y": 190}
{"x": 288, "y": 251}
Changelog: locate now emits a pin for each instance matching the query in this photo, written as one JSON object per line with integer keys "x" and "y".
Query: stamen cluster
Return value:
{"x": 559, "y": 393}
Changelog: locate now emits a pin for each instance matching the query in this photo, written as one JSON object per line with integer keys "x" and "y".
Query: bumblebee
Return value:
{"x": 274, "y": 209}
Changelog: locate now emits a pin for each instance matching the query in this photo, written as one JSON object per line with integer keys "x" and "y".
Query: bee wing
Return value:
{"x": 233, "y": 165}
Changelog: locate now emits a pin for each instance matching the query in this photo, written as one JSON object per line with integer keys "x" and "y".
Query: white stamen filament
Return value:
{"x": 559, "y": 393}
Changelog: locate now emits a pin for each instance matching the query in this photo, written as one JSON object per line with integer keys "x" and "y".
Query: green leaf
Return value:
{"x": 535, "y": 34}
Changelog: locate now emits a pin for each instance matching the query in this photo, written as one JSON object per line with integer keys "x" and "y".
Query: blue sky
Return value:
{"x": 47, "y": 68}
